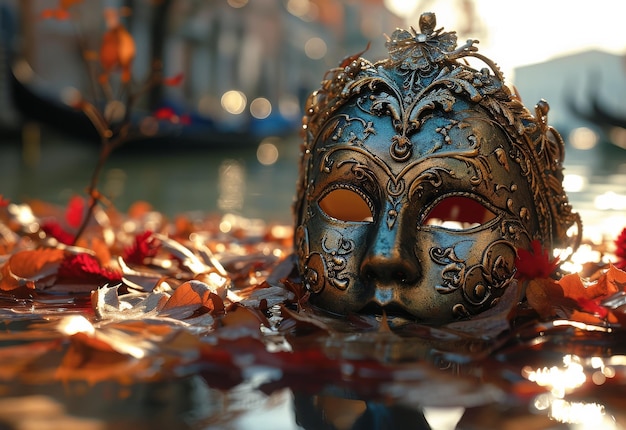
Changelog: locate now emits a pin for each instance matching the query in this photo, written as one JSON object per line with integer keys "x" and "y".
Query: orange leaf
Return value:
{"x": 139, "y": 209}
{"x": 117, "y": 50}
{"x": 60, "y": 14}
{"x": 573, "y": 287}
{"x": 24, "y": 268}
{"x": 586, "y": 318}
{"x": 190, "y": 297}
{"x": 241, "y": 316}
{"x": 588, "y": 297}
{"x": 615, "y": 279}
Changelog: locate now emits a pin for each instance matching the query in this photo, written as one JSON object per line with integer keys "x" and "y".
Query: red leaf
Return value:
{"x": 620, "y": 251}
{"x": 536, "y": 263}
{"x": 54, "y": 229}
{"x": 3, "y": 202}
{"x": 74, "y": 211}
{"x": 85, "y": 268}
{"x": 174, "y": 80}
{"x": 145, "y": 246}
{"x": 346, "y": 61}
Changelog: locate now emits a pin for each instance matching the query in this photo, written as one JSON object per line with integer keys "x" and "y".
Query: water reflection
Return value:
{"x": 256, "y": 181}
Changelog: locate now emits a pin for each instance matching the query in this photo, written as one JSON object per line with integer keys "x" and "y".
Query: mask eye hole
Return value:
{"x": 458, "y": 213}
{"x": 346, "y": 205}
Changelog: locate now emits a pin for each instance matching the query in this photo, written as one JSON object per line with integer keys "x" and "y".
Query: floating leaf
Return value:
{"x": 31, "y": 267}
{"x": 192, "y": 297}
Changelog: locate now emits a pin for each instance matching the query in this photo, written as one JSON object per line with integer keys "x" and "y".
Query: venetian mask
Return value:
{"x": 420, "y": 178}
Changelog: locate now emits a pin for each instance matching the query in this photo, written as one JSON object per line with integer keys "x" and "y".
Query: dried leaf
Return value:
{"x": 26, "y": 268}
{"x": 192, "y": 297}
{"x": 117, "y": 51}
{"x": 546, "y": 297}
{"x": 242, "y": 317}
{"x": 187, "y": 258}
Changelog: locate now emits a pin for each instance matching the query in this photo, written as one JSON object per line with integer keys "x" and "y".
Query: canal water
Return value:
{"x": 256, "y": 180}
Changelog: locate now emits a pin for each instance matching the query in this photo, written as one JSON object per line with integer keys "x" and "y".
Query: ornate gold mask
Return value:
{"x": 420, "y": 178}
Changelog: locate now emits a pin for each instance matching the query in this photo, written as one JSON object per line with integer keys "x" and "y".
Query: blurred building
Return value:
{"x": 246, "y": 63}
{"x": 586, "y": 93}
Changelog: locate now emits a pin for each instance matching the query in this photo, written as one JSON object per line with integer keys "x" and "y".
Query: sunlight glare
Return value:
{"x": 574, "y": 183}
{"x": 73, "y": 324}
{"x": 586, "y": 415}
{"x": 560, "y": 380}
{"x": 610, "y": 200}
{"x": 401, "y": 8}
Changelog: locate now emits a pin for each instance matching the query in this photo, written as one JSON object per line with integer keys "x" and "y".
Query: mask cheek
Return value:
{"x": 469, "y": 272}
{"x": 330, "y": 254}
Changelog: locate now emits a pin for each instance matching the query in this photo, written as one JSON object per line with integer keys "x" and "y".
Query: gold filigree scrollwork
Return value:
{"x": 478, "y": 283}
{"x": 430, "y": 176}
{"x": 336, "y": 261}
{"x": 453, "y": 273}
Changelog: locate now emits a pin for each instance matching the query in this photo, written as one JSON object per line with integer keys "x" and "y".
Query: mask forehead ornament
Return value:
{"x": 420, "y": 178}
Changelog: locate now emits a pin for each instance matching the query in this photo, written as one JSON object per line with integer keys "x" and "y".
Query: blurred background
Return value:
{"x": 225, "y": 138}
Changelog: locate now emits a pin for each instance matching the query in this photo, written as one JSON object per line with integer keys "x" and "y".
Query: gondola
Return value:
{"x": 34, "y": 103}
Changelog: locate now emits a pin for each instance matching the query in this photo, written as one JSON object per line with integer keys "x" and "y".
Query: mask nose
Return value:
{"x": 388, "y": 264}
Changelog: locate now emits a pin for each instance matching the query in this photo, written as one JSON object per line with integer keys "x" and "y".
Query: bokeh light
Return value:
{"x": 237, "y": 4}
{"x": 315, "y": 48}
{"x": 583, "y": 138}
{"x": 267, "y": 152}
{"x": 234, "y": 102}
{"x": 260, "y": 108}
